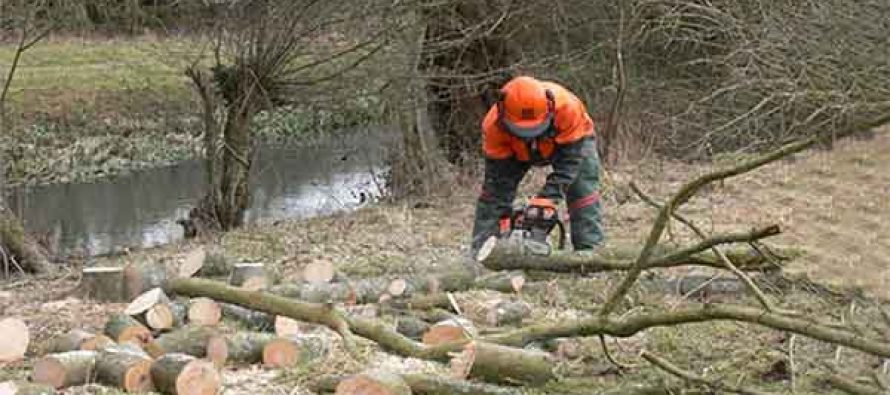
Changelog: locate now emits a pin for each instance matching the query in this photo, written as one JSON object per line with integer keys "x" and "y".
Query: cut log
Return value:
{"x": 126, "y": 367}
{"x": 76, "y": 340}
{"x": 250, "y": 276}
{"x": 191, "y": 340}
{"x": 239, "y": 348}
{"x": 14, "y": 340}
{"x": 204, "y": 311}
{"x": 317, "y": 272}
{"x": 181, "y": 374}
{"x": 507, "y": 312}
{"x": 251, "y": 319}
{"x": 505, "y": 254}
{"x": 412, "y": 327}
{"x": 160, "y": 317}
{"x": 25, "y": 388}
{"x": 285, "y": 352}
{"x": 143, "y": 276}
{"x": 398, "y": 287}
{"x": 287, "y": 327}
{"x": 500, "y": 364}
{"x": 103, "y": 284}
{"x": 65, "y": 369}
{"x": 146, "y": 301}
{"x": 123, "y": 328}
{"x": 448, "y": 331}
{"x": 192, "y": 263}
{"x": 374, "y": 382}
{"x": 423, "y": 384}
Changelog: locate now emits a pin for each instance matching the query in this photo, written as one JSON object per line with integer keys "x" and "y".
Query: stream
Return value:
{"x": 140, "y": 210}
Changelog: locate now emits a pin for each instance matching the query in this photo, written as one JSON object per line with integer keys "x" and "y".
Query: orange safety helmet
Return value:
{"x": 526, "y": 107}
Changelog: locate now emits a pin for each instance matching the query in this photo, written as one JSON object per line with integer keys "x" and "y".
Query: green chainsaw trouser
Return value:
{"x": 502, "y": 177}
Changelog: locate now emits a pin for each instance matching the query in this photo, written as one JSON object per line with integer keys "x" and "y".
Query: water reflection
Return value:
{"x": 140, "y": 210}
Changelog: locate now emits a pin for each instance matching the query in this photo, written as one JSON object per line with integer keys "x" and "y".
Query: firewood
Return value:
{"x": 284, "y": 352}
{"x": 286, "y": 327}
{"x": 143, "y": 276}
{"x": 25, "y": 388}
{"x": 103, "y": 284}
{"x": 374, "y": 382}
{"x": 449, "y": 331}
{"x": 319, "y": 272}
{"x": 191, "y": 340}
{"x": 411, "y": 327}
{"x": 14, "y": 340}
{"x": 126, "y": 367}
{"x": 181, "y": 374}
{"x": 423, "y": 384}
{"x": 146, "y": 301}
{"x": 251, "y": 319}
{"x": 159, "y": 317}
{"x": 500, "y": 364}
{"x": 192, "y": 263}
{"x": 239, "y": 348}
{"x": 250, "y": 276}
{"x": 123, "y": 328}
{"x": 65, "y": 369}
{"x": 76, "y": 340}
{"x": 204, "y": 311}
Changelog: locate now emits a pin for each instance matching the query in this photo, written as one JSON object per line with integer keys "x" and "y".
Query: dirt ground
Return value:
{"x": 832, "y": 206}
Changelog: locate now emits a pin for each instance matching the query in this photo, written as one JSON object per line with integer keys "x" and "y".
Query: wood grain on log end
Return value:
{"x": 14, "y": 340}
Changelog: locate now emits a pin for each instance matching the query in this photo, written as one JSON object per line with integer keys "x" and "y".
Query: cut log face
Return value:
{"x": 373, "y": 382}
{"x": 160, "y": 317}
{"x": 318, "y": 272}
{"x": 103, "y": 284}
{"x": 123, "y": 328}
{"x": 486, "y": 249}
{"x": 448, "y": 331}
{"x": 250, "y": 276}
{"x": 192, "y": 262}
{"x": 180, "y": 374}
{"x": 288, "y": 327}
{"x": 76, "y": 340}
{"x": 126, "y": 367}
{"x": 65, "y": 369}
{"x": 204, "y": 311}
{"x": 146, "y": 301}
{"x": 141, "y": 277}
{"x": 284, "y": 352}
{"x": 14, "y": 339}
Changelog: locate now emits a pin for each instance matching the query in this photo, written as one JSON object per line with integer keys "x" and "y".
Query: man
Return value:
{"x": 539, "y": 123}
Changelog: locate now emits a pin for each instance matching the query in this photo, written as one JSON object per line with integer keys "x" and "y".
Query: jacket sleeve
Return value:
{"x": 566, "y": 164}
{"x": 495, "y": 142}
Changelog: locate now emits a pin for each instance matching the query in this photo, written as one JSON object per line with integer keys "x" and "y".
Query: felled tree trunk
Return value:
{"x": 500, "y": 364}
{"x": 254, "y": 320}
{"x": 76, "y": 340}
{"x": 241, "y": 347}
{"x": 126, "y": 367}
{"x": 285, "y": 352}
{"x": 181, "y": 374}
{"x": 123, "y": 328}
{"x": 191, "y": 340}
{"x": 449, "y": 331}
{"x": 66, "y": 369}
{"x": 377, "y": 382}
{"x": 424, "y": 384}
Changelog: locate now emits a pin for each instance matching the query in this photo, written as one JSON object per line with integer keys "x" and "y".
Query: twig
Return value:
{"x": 688, "y": 376}
{"x": 609, "y": 357}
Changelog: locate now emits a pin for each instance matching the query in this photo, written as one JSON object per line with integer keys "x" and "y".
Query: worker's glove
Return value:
{"x": 540, "y": 217}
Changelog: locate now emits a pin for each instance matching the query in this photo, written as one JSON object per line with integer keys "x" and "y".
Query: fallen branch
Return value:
{"x": 716, "y": 385}
{"x": 424, "y": 384}
{"x": 852, "y": 387}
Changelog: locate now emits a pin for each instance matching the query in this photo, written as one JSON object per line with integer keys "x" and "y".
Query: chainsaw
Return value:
{"x": 535, "y": 235}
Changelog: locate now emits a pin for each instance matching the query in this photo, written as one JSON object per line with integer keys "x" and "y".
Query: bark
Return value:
{"x": 103, "y": 284}
{"x": 14, "y": 340}
{"x": 191, "y": 340}
{"x": 66, "y": 369}
{"x": 500, "y": 364}
{"x": 449, "y": 331}
{"x": 411, "y": 327}
{"x": 374, "y": 382}
{"x": 123, "y": 328}
{"x": 239, "y": 348}
{"x": 127, "y": 368}
{"x": 504, "y": 254}
{"x": 507, "y": 312}
{"x": 181, "y": 374}
{"x": 253, "y": 320}
{"x": 143, "y": 276}
{"x": 76, "y": 340}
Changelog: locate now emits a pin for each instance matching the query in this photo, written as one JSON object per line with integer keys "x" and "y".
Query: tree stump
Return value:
{"x": 103, "y": 284}
{"x": 123, "y": 328}
{"x": 284, "y": 352}
{"x": 190, "y": 340}
{"x": 181, "y": 374}
{"x": 14, "y": 340}
{"x": 126, "y": 367}
{"x": 250, "y": 276}
{"x": 500, "y": 364}
{"x": 65, "y": 369}
{"x": 448, "y": 331}
{"x": 76, "y": 340}
{"x": 140, "y": 277}
{"x": 204, "y": 311}
{"x": 373, "y": 382}
{"x": 241, "y": 348}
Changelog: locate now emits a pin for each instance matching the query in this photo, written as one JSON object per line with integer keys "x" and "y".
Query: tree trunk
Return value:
{"x": 374, "y": 382}
{"x": 65, "y": 369}
{"x": 242, "y": 347}
{"x": 76, "y": 340}
{"x": 191, "y": 340}
{"x": 123, "y": 328}
{"x": 500, "y": 364}
{"x": 181, "y": 374}
{"x": 126, "y": 367}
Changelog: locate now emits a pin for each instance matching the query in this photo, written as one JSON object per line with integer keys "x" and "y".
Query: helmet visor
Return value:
{"x": 527, "y": 129}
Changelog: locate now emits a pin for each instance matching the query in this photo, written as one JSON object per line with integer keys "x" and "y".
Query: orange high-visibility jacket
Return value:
{"x": 571, "y": 123}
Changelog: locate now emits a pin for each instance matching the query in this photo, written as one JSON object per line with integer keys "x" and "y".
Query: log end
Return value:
{"x": 486, "y": 249}
{"x": 204, "y": 312}
{"x": 95, "y": 343}
{"x": 14, "y": 342}
{"x": 218, "y": 350}
{"x": 198, "y": 377}
{"x": 135, "y": 334}
{"x": 137, "y": 377}
{"x": 281, "y": 353}
{"x": 373, "y": 383}
{"x": 49, "y": 371}
{"x": 159, "y": 317}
